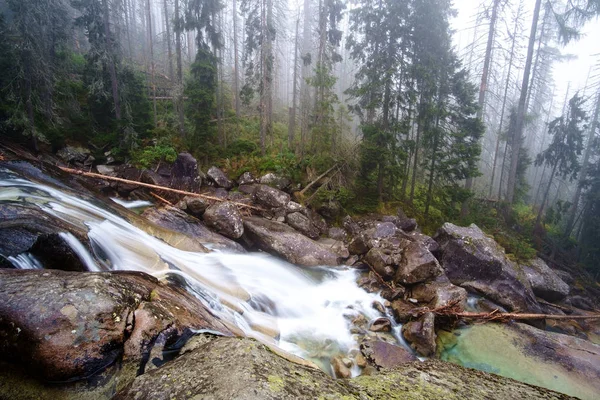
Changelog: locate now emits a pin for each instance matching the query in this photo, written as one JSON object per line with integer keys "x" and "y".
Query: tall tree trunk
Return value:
{"x": 152, "y": 72}
{"x": 483, "y": 88}
{"x": 236, "y": 74}
{"x": 541, "y": 210}
{"x": 292, "y": 121}
{"x": 111, "y": 62}
{"x": 305, "y": 101}
{"x": 263, "y": 66}
{"x": 542, "y": 147}
{"x": 168, "y": 34}
{"x": 127, "y": 10}
{"x": 420, "y": 123}
{"x": 179, "y": 100}
{"x": 432, "y": 168}
{"x": 520, "y": 119}
{"x": 584, "y": 168}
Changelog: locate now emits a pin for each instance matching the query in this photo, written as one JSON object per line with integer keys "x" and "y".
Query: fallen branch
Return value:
{"x": 317, "y": 180}
{"x": 157, "y": 187}
{"x": 167, "y": 202}
{"x": 321, "y": 187}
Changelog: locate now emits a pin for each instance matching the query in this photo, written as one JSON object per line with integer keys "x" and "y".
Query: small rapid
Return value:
{"x": 305, "y": 311}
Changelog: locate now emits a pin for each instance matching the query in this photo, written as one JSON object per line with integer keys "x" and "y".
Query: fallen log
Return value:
{"x": 157, "y": 187}
{"x": 317, "y": 180}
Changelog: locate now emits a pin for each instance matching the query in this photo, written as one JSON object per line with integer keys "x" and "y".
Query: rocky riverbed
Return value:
{"x": 80, "y": 328}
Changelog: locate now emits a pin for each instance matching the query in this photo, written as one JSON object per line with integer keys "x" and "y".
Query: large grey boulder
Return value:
{"x": 276, "y": 181}
{"x": 219, "y": 178}
{"x": 545, "y": 283}
{"x": 417, "y": 265}
{"x": 476, "y": 262}
{"x": 176, "y": 220}
{"x": 184, "y": 173}
{"x": 270, "y": 197}
{"x": 225, "y": 218}
{"x": 279, "y": 239}
{"x": 64, "y": 326}
{"x": 302, "y": 224}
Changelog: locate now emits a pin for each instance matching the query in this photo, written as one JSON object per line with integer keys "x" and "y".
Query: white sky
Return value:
{"x": 575, "y": 71}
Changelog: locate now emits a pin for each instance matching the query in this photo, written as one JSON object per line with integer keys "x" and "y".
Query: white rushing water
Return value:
{"x": 304, "y": 311}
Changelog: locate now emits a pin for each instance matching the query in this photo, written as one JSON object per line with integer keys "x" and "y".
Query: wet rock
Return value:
{"x": 405, "y": 310}
{"x": 73, "y": 154}
{"x": 275, "y": 181}
{"x": 429, "y": 243}
{"x": 175, "y": 220}
{"x": 380, "y": 262}
{"x": 153, "y": 178}
{"x": 89, "y": 320}
{"x": 439, "y": 294}
{"x": 246, "y": 179}
{"x": 407, "y": 224}
{"x": 350, "y": 226}
{"x": 293, "y": 207}
{"x": 336, "y": 246}
{"x": 385, "y": 355}
{"x": 384, "y": 230}
{"x": 417, "y": 265}
{"x": 225, "y": 218}
{"x": 340, "y": 369}
{"x": 184, "y": 173}
{"x": 337, "y": 234}
{"x": 108, "y": 170}
{"x": 247, "y": 189}
{"x": 358, "y": 245}
{"x": 381, "y": 325}
{"x": 271, "y": 197}
{"x": 302, "y": 224}
{"x": 195, "y": 206}
{"x": 393, "y": 293}
{"x": 476, "y": 262}
{"x": 317, "y": 221}
{"x": 219, "y": 178}
{"x": 545, "y": 283}
{"x": 421, "y": 334}
{"x": 280, "y": 239}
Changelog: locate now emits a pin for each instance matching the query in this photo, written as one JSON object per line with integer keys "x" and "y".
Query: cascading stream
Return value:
{"x": 305, "y": 311}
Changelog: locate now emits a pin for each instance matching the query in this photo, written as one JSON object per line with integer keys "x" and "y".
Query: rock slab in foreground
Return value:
{"x": 64, "y": 326}
{"x": 279, "y": 239}
{"x": 231, "y": 368}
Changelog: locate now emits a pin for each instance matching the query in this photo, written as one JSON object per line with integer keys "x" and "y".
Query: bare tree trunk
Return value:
{"x": 168, "y": 34}
{"x": 179, "y": 101}
{"x": 263, "y": 66}
{"x": 415, "y": 159}
{"x": 584, "y": 168}
{"x": 128, "y": 27}
{"x": 152, "y": 72}
{"x": 483, "y": 89}
{"x": 305, "y": 103}
{"x": 236, "y": 84}
{"x": 111, "y": 62}
{"x": 432, "y": 168}
{"x": 541, "y": 210}
{"x": 292, "y": 121}
{"x": 520, "y": 120}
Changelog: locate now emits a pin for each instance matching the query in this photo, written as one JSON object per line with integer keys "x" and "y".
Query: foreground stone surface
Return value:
{"x": 279, "y": 239}
{"x": 229, "y": 368}
{"x": 65, "y": 326}
{"x": 476, "y": 262}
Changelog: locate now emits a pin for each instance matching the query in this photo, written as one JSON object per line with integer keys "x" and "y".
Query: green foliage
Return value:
{"x": 144, "y": 158}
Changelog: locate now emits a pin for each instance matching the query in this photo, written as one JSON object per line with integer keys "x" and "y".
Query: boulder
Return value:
{"x": 421, "y": 334}
{"x": 175, "y": 220}
{"x": 317, "y": 221}
{"x": 439, "y": 293}
{"x": 337, "y": 246}
{"x": 247, "y": 189}
{"x": 417, "y": 265}
{"x": 385, "y": 355}
{"x": 545, "y": 283}
{"x": 340, "y": 368}
{"x": 337, "y": 233}
{"x": 225, "y": 218}
{"x": 381, "y": 325}
{"x": 108, "y": 170}
{"x": 292, "y": 207}
{"x": 381, "y": 263}
{"x": 270, "y": 197}
{"x": 195, "y": 206}
{"x": 219, "y": 178}
{"x": 302, "y": 224}
{"x": 350, "y": 226}
{"x": 184, "y": 173}
{"x": 476, "y": 262}
{"x": 246, "y": 179}
{"x": 407, "y": 224}
{"x": 153, "y": 178}
{"x": 358, "y": 245}
{"x": 281, "y": 240}
{"x": 384, "y": 230}
{"x": 66, "y": 326}
{"x": 330, "y": 209}
{"x": 73, "y": 154}
{"x": 275, "y": 181}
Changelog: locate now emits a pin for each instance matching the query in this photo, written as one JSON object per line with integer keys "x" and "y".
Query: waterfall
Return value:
{"x": 305, "y": 311}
